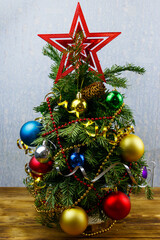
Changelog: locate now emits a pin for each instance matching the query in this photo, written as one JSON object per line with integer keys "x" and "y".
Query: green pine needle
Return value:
{"x": 66, "y": 190}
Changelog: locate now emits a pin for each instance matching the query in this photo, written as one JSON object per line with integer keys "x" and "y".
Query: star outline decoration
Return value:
{"x": 92, "y": 43}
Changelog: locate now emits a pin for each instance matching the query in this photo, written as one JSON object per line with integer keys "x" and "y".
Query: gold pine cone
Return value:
{"x": 96, "y": 89}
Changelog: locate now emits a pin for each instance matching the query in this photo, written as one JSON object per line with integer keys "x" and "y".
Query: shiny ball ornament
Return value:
{"x": 39, "y": 169}
{"x": 79, "y": 105}
{"x": 132, "y": 148}
{"x": 76, "y": 159}
{"x": 144, "y": 172}
{"x": 29, "y": 132}
{"x": 114, "y": 99}
{"x": 42, "y": 154}
{"x": 116, "y": 205}
{"x": 74, "y": 221}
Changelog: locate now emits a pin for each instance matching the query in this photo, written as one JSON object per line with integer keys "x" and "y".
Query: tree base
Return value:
{"x": 97, "y": 225}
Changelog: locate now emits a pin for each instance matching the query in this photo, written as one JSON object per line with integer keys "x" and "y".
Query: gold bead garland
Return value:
{"x": 67, "y": 149}
{"x": 100, "y": 231}
{"x": 121, "y": 134}
{"x": 60, "y": 209}
{"x": 83, "y": 144}
{"x": 89, "y": 188}
{"x": 106, "y": 128}
{"x": 119, "y": 137}
{"x": 53, "y": 211}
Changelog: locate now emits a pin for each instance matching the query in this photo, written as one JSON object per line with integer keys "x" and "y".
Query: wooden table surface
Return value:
{"x": 17, "y": 219}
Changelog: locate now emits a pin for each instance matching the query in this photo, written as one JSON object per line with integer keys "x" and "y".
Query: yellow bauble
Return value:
{"x": 74, "y": 221}
{"x": 132, "y": 148}
{"x": 79, "y": 105}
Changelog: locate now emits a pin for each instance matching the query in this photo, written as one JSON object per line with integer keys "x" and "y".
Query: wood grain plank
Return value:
{"x": 17, "y": 219}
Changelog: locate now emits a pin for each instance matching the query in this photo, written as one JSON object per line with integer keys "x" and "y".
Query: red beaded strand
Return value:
{"x": 64, "y": 156}
{"x": 99, "y": 202}
{"x": 77, "y": 120}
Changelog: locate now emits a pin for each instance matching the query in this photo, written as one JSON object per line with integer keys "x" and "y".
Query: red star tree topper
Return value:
{"x": 91, "y": 44}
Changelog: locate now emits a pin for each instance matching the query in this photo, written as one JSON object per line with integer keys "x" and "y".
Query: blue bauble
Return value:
{"x": 29, "y": 132}
{"x": 76, "y": 159}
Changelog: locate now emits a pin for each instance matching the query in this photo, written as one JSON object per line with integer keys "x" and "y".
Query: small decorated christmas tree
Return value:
{"x": 85, "y": 158}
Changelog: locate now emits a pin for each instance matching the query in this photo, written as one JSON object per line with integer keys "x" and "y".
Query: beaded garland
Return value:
{"x": 90, "y": 186}
{"x": 81, "y": 120}
{"x": 62, "y": 151}
{"x": 58, "y": 139}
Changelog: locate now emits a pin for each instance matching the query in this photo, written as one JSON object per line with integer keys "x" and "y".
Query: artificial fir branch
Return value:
{"x": 148, "y": 192}
{"x": 44, "y": 220}
{"x": 66, "y": 190}
{"x": 52, "y": 53}
{"x": 42, "y": 108}
{"x": 116, "y": 82}
{"x": 115, "y": 69}
{"x": 113, "y": 78}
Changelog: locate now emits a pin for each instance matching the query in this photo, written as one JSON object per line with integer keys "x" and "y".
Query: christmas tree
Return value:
{"x": 85, "y": 158}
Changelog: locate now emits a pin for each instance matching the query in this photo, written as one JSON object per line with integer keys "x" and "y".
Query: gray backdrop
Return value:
{"x": 24, "y": 70}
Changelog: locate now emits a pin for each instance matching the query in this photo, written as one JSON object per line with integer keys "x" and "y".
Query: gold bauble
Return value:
{"x": 79, "y": 105}
{"x": 74, "y": 221}
{"x": 132, "y": 148}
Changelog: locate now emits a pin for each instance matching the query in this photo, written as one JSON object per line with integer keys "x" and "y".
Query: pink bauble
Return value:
{"x": 116, "y": 205}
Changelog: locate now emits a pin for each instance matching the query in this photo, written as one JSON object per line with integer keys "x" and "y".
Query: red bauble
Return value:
{"x": 37, "y": 167}
{"x": 116, "y": 205}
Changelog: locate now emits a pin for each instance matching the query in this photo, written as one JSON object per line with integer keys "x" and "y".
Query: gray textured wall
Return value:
{"x": 24, "y": 70}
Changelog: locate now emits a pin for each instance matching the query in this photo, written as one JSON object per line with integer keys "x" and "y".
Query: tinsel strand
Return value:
{"x": 62, "y": 151}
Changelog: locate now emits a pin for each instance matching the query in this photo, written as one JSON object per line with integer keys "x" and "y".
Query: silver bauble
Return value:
{"x": 42, "y": 154}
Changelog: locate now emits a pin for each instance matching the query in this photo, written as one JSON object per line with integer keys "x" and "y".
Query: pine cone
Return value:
{"x": 96, "y": 89}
